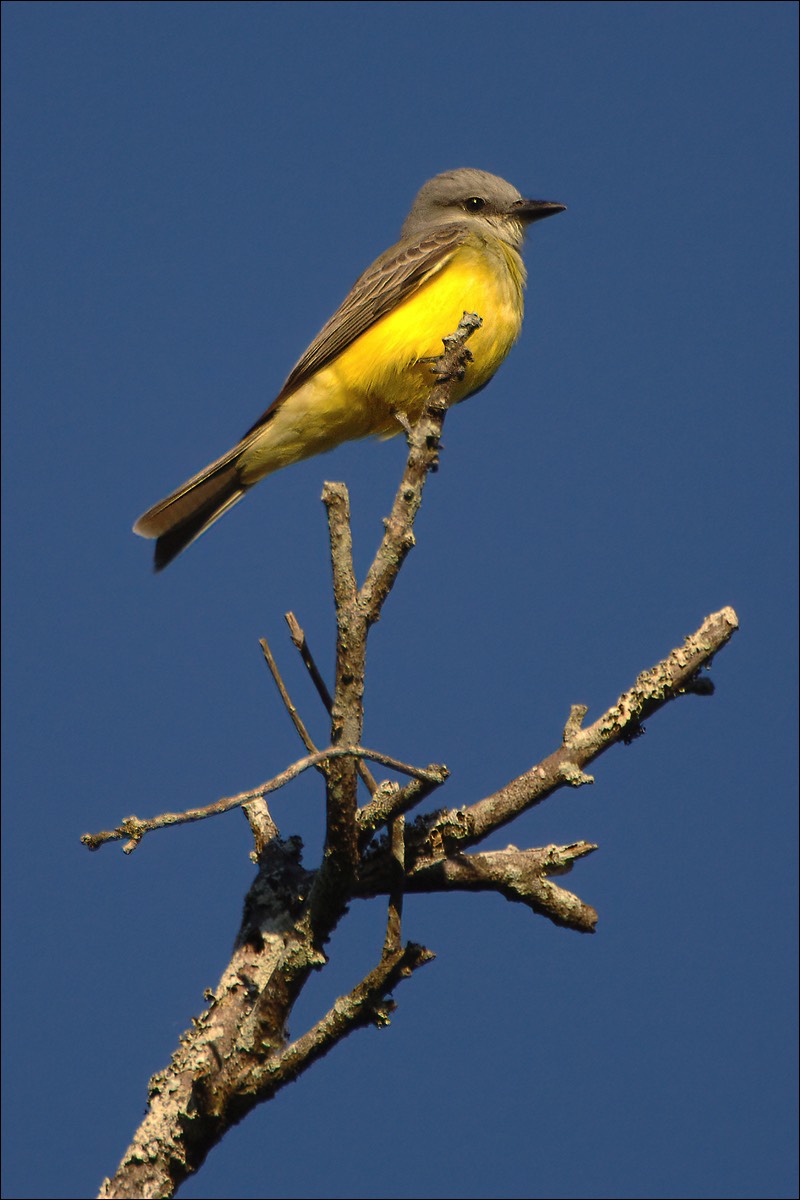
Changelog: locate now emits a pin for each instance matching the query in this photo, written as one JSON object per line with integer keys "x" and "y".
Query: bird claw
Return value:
{"x": 442, "y": 367}
{"x": 402, "y": 420}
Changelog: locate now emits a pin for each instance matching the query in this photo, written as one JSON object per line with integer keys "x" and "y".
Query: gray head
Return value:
{"x": 476, "y": 198}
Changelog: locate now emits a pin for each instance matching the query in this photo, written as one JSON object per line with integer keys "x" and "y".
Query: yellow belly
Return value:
{"x": 380, "y": 373}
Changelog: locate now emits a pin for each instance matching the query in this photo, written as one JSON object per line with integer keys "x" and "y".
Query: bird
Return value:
{"x": 367, "y": 372}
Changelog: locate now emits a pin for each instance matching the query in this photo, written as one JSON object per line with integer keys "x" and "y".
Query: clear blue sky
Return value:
{"x": 190, "y": 190}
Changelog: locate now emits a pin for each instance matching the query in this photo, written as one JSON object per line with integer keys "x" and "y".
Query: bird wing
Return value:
{"x": 391, "y": 279}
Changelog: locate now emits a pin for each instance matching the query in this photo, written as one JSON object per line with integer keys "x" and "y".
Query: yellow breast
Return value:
{"x": 381, "y": 373}
{"x": 481, "y": 277}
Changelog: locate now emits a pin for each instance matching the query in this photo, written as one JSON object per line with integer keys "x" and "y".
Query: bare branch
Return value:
{"x": 365, "y": 1005}
{"x": 222, "y": 1069}
{"x": 356, "y": 612}
{"x": 520, "y": 875}
{"x": 674, "y": 676}
{"x": 390, "y": 800}
{"x": 434, "y": 844}
{"x": 235, "y": 1054}
{"x": 135, "y": 827}
{"x": 337, "y": 502}
{"x": 347, "y": 709}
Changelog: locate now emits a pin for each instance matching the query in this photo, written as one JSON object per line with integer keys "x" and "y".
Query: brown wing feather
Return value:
{"x": 393, "y": 277}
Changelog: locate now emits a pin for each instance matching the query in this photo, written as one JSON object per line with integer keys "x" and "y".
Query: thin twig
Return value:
{"x": 299, "y": 639}
{"x": 135, "y": 827}
{"x": 294, "y": 715}
{"x": 298, "y": 636}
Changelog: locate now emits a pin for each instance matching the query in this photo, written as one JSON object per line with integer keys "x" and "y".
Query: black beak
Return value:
{"x": 535, "y": 210}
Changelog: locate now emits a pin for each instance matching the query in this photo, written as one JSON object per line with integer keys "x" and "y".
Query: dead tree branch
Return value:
{"x": 237, "y": 1053}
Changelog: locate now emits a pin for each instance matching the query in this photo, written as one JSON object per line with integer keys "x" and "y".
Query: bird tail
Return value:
{"x": 182, "y": 516}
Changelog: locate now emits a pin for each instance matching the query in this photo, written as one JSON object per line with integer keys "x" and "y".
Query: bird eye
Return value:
{"x": 474, "y": 204}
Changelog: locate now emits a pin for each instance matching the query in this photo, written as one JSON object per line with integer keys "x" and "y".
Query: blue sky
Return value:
{"x": 190, "y": 190}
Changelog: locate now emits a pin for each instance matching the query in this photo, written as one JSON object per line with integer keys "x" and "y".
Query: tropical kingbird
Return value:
{"x": 368, "y": 369}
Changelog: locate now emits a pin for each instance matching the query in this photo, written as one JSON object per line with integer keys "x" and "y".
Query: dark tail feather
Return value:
{"x": 176, "y": 521}
{"x": 170, "y": 544}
